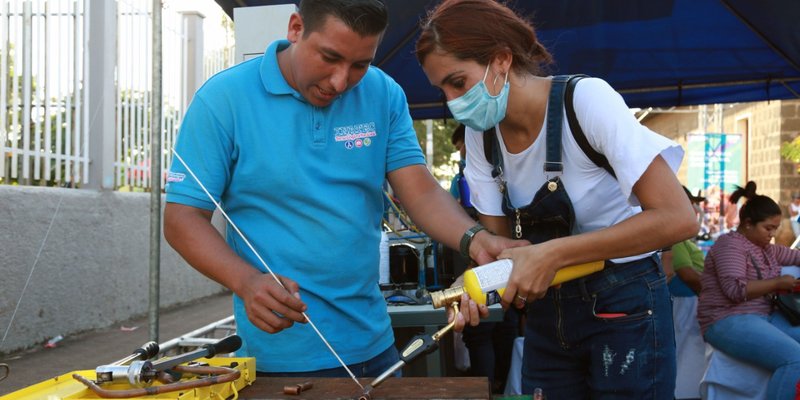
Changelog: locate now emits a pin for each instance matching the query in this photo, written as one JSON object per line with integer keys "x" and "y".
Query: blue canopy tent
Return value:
{"x": 657, "y": 53}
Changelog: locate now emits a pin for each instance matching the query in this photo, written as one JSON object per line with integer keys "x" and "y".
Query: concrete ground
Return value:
{"x": 91, "y": 349}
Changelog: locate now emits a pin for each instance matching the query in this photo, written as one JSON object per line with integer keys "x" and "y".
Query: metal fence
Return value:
{"x": 44, "y": 136}
{"x": 44, "y": 118}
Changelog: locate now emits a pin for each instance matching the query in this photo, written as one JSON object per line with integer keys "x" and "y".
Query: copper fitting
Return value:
{"x": 444, "y": 298}
{"x": 296, "y": 389}
{"x": 291, "y": 389}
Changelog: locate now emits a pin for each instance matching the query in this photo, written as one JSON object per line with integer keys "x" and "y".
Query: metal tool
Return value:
{"x": 447, "y": 296}
{"x": 419, "y": 345}
{"x": 140, "y": 371}
{"x": 130, "y": 366}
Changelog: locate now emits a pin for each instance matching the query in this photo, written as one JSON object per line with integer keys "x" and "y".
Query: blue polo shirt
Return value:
{"x": 304, "y": 185}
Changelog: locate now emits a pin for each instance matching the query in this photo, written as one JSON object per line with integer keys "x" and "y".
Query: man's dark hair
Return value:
{"x": 364, "y": 17}
{"x": 458, "y": 134}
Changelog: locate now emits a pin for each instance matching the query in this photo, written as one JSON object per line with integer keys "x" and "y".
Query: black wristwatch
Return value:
{"x": 466, "y": 240}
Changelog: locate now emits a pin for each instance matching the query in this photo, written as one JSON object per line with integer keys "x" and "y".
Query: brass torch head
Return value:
{"x": 444, "y": 298}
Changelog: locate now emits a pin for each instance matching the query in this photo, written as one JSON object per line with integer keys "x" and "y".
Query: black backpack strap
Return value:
{"x": 491, "y": 150}
{"x": 488, "y": 144}
{"x": 555, "y": 119}
{"x": 577, "y": 133}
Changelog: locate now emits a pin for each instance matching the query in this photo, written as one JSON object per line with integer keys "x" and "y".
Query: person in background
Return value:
{"x": 608, "y": 334}
{"x": 685, "y": 262}
{"x": 490, "y": 344}
{"x": 458, "y": 185}
{"x": 735, "y": 312}
{"x": 296, "y": 145}
{"x": 733, "y": 203}
{"x": 794, "y": 214}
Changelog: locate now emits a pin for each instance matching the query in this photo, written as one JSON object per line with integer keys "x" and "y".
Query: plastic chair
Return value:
{"x": 690, "y": 348}
{"x": 727, "y": 378}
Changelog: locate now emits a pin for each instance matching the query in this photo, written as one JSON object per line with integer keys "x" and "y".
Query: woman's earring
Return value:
{"x": 494, "y": 82}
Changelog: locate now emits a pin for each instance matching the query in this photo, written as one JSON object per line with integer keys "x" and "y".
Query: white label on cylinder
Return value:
{"x": 494, "y": 275}
{"x": 383, "y": 271}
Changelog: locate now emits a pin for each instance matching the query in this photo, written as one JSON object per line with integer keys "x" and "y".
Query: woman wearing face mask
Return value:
{"x": 742, "y": 270}
{"x": 608, "y": 334}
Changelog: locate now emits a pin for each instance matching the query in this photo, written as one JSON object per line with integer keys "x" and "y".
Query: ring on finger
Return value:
{"x": 522, "y": 298}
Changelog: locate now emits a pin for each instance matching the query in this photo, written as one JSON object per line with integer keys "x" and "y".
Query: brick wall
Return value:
{"x": 790, "y": 129}
{"x": 769, "y": 125}
{"x": 675, "y": 125}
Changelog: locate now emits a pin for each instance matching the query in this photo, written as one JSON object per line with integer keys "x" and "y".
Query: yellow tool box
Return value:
{"x": 67, "y": 387}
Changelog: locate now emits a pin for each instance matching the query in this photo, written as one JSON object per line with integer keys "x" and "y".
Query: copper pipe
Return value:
{"x": 219, "y": 375}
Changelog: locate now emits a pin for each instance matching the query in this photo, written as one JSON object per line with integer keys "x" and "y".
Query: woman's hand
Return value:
{"x": 533, "y": 272}
{"x": 760, "y": 287}
{"x": 785, "y": 283}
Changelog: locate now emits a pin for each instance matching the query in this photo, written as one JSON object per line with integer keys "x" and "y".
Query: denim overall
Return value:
{"x": 608, "y": 335}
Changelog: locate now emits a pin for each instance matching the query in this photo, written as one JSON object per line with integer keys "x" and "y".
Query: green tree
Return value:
{"x": 791, "y": 151}
{"x": 443, "y": 165}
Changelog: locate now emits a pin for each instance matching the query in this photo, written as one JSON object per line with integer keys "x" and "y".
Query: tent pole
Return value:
{"x": 685, "y": 86}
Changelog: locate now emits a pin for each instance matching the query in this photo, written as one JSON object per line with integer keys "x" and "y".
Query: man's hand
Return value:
{"x": 469, "y": 312}
{"x": 486, "y": 247}
{"x": 269, "y": 306}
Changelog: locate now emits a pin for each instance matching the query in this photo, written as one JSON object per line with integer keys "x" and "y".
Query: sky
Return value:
{"x": 212, "y": 12}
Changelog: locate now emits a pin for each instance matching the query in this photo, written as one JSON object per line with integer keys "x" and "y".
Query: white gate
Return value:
{"x": 44, "y": 120}
{"x": 43, "y": 135}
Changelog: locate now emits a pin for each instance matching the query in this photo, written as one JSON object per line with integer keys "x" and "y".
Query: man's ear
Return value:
{"x": 296, "y": 28}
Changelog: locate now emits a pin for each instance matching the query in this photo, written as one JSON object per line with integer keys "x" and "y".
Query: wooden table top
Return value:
{"x": 392, "y": 388}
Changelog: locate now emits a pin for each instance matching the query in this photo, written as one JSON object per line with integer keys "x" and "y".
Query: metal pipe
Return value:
{"x": 155, "y": 175}
{"x": 192, "y": 336}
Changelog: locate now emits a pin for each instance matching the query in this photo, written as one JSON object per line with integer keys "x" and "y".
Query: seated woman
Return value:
{"x": 742, "y": 272}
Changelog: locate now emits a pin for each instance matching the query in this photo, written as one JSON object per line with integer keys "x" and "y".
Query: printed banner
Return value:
{"x": 715, "y": 167}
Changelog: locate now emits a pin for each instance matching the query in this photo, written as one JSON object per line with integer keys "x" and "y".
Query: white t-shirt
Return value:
{"x": 598, "y": 198}
{"x": 795, "y": 210}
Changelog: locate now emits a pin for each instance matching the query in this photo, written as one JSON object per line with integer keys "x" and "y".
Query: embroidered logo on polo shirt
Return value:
{"x": 175, "y": 177}
{"x": 355, "y": 136}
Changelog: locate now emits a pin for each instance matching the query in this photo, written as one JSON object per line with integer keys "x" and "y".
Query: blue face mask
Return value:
{"x": 477, "y": 108}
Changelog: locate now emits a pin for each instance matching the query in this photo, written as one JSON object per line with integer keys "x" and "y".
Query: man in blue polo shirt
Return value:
{"x": 295, "y": 146}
